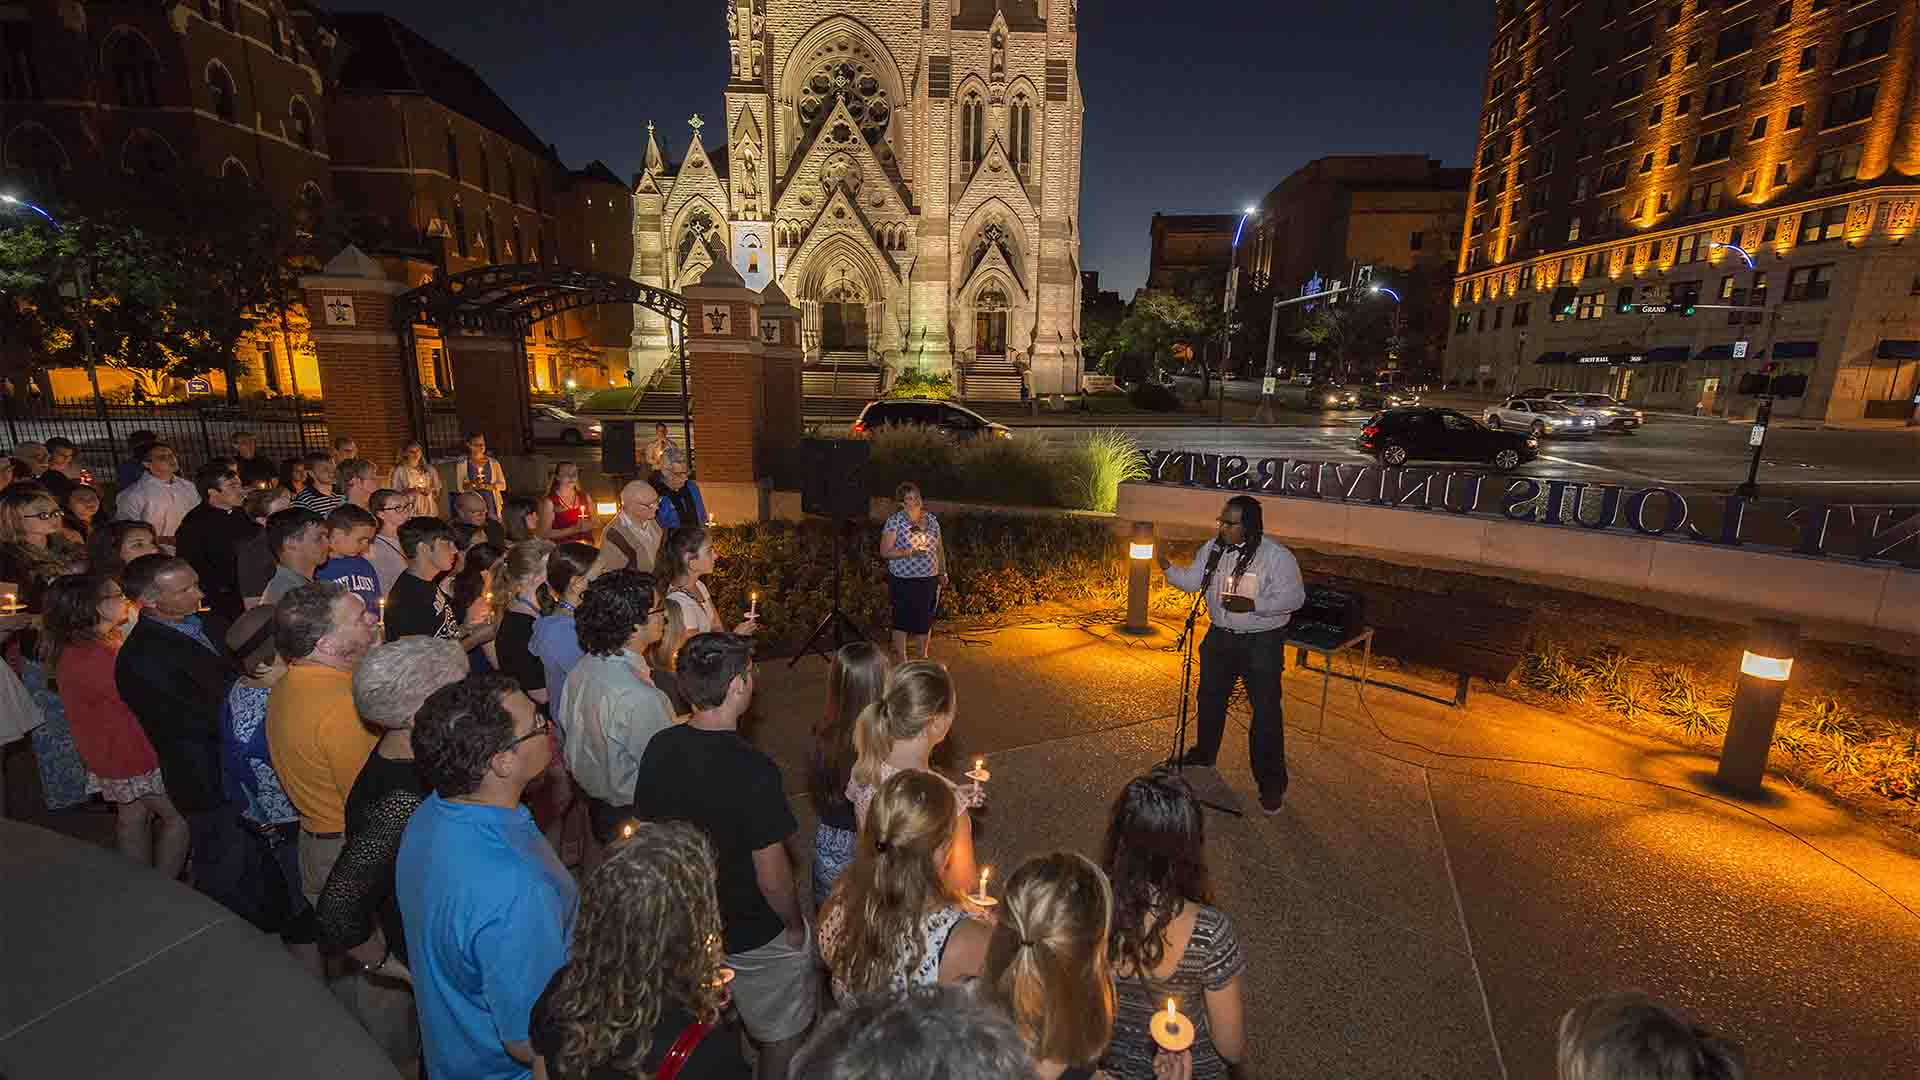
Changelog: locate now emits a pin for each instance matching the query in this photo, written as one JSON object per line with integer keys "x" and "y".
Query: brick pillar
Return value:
{"x": 780, "y": 391}
{"x": 364, "y": 370}
{"x": 490, "y": 390}
{"x": 727, "y": 358}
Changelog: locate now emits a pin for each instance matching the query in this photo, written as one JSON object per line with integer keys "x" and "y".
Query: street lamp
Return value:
{"x": 1764, "y": 667}
{"x": 1139, "y": 571}
{"x": 1736, "y": 248}
{"x": 1384, "y": 289}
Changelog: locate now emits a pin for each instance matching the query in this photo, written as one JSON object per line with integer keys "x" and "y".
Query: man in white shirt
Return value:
{"x": 159, "y": 498}
{"x": 1252, "y": 587}
{"x": 611, "y": 709}
{"x": 632, "y": 540}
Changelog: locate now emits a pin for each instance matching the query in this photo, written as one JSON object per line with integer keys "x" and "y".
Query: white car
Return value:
{"x": 1539, "y": 416}
{"x": 1609, "y": 413}
{"x": 551, "y": 423}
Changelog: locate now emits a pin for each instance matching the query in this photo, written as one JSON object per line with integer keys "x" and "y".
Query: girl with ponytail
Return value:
{"x": 895, "y": 920}
{"x": 899, "y": 731}
{"x": 1047, "y": 964}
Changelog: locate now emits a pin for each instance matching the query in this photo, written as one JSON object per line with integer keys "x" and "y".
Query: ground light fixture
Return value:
{"x": 1139, "y": 577}
{"x": 1764, "y": 669}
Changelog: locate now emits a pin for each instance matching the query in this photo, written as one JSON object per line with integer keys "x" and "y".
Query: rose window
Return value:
{"x": 846, "y": 75}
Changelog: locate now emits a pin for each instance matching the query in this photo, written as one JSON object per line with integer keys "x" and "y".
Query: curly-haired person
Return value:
{"x": 612, "y": 709}
{"x": 487, "y": 905}
{"x": 643, "y": 978}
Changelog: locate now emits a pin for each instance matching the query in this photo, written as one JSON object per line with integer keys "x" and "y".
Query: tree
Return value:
{"x": 1347, "y": 333}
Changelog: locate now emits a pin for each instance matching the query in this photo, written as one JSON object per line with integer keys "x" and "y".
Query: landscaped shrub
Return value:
{"x": 1100, "y": 463}
{"x": 918, "y": 382}
{"x": 1025, "y": 470}
{"x": 1154, "y": 398}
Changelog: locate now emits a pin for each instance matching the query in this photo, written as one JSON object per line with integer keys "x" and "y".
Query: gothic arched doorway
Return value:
{"x": 843, "y": 318}
{"x": 990, "y": 323}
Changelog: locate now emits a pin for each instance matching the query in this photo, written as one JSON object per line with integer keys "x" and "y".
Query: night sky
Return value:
{"x": 1205, "y": 117}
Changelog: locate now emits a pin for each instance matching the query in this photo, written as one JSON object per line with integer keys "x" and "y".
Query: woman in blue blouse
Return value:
{"x": 916, "y": 570}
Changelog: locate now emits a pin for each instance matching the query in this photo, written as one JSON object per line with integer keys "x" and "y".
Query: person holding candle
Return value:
{"x": 1252, "y": 587}
{"x": 565, "y": 511}
{"x": 895, "y": 919}
{"x": 899, "y": 731}
{"x": 856, "y": 680}
{"x": 654, "y": 453}
{"x": 470, "y": 595}
{"x": 1047, "y": 965}
{"x": 916, "y": 570}
{"x": 685, "y": 558}
{"x": 33, "y": 552}
{"x": 632, "y": 540}
{"x": 643, "y": 975}
{"x": 481, "y": 475}
{"x": 415, "y": 478}
{"x": 1168, "y": 939}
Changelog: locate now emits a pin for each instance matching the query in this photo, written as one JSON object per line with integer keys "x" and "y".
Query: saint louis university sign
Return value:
{"x": 1808, "y": 527}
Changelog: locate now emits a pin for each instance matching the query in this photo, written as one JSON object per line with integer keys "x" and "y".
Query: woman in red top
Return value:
{"x": 87, "y": 617}
{"x": 566, "y": 513}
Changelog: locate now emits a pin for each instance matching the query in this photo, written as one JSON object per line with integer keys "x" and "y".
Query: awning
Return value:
{"x": 1796, "y": 350}
{"x": 1552, "y": 358}
{"x": 1725, "y": 352}
{"x": 1898, "y": 350}
{"x": 1609, "y": 358}
{"x": 1669, "y": 354}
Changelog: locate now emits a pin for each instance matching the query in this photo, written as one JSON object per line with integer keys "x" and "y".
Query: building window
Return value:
{"x": 136, "y": 71}
{"x": 218, "y": 11}
{"x": 518, "y": 250}
{"x": 1713, "y": 146}
{"x": 1665, "y": 67}
{"x": 1783, "y": 14}
{"x": 490, "y": 238}
{"x": 1020, "y": 131}
{"x": 1463, "y": 322}
{"x": 1724, "y": 94}
{"x": 220, "y": 93}
{"x": 1747, "y": 182}
{"x": 33, "y": 151}
{"x": 1592, "y": 305}
{"x": 1851, "y": 104}
{"x": 1623, "y": 299}
{"x": 1415, "y": 239}
{"x": 1726, "y": 287}
{"x": 1684, "y": 105}
{"x": 1810, "y": 282}
{"x": 1705, "y": 197}
{"x": 1640, "y": 208}
{"x": 18, "y": 79}
{"x": 1780, "y": 174}
{"x": 276, "y": 35}
{"x": 972, "y": 130}
{"x": 1827, "y": 224}
{"x": 513, "y": 182}
{"x": 1838, "y": 165}
{"x": 1480, "y": 326}
{"x": 1808, "y": 58}
{"x": 1673, "y": 154}
{"x": 1759, "y": 129}
{"x": 486, "y": 174}
{"x": 1665, "y": 202}
{"x": 1673, "y": 15}
{"x": 459, "y": 225}
{"x": 1772, "y": 230}
{"x": 453, "y": 162}
{"x": 1757, "y": 296}
{"x": 1692, "y": 249}
{"x": 148, "y": 156}
{"x": 1771, "y": 73}
{"x": 1536, "y": 236}
{"x": 1646, "y": 162}
{"x": 1693, "y": 55}
{"x": 1613, "y": 177}
{"x": 1796, "y": 116}
{"x": 1735, "y": 40}
{"x": 302, "y": 123}
{"x": 1520, "y": 312}
{"x": 1573, "y": 229}
{"x": 1865, "y": 42}
{"x": 1498, "y": 313}
{"x": 1653, "y": 117}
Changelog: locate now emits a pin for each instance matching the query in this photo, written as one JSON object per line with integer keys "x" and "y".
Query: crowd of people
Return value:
{"x": 488, "y": 778}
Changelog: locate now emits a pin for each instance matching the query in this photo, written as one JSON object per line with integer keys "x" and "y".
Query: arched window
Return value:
{"x": 459, "y": 224}
{"x": 513, "y": 181}
{"x": 518, "y": 249}
{"x": 698, "y": 225}
{"x": 311, "y": 197}
{"x": 1020, "y": 131}
{"x": 34, "y": 153}
{"x": 19, "y": 81}
{"x": 302, "y": 123}
{"x": 491, "y": 238}
{"x": 234, "y": 169}
{"x": 136, "y": 70}
{"x": 220, "y": 92}
{"x": 148, "y": 156}
{"x": 973, "y": 129}
{"x": 453, "y": 162}
{"x": 486, "y": 171}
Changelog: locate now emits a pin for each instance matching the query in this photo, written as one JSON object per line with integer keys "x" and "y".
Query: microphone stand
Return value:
{"x": 1185, "y": 646}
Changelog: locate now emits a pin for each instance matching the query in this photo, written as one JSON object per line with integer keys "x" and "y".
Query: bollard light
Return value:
{"x": 1139, "y": 577}
{"x": 1764, "y": 669}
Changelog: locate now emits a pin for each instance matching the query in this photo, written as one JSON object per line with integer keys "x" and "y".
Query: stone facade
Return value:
{"x": 910, "y": 173}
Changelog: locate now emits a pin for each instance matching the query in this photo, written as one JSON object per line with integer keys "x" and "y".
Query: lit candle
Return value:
{"x": 626, "y": 831}
{"x": 753, "y": 612}
{"x": 979, "y": 775}
{"x": 1172, "y": 1031}
{"x": 12, "y": 605}
{"x": 981, "y": 899}
{"x": 711, "y": 520}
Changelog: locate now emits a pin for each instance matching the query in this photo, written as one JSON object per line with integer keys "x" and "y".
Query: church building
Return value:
{"x": 909, "y": 172}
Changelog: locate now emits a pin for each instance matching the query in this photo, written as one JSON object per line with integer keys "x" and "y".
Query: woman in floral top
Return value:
{"x": 916, "y": 570}
{"x": 246, "y": 767}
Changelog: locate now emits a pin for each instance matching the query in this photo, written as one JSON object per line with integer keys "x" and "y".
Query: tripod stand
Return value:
{"x": 843, "y": 627}
{"x": 1186, "y": 684}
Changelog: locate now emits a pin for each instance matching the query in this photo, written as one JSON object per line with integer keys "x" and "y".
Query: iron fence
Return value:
{"x": 197, "y": 430}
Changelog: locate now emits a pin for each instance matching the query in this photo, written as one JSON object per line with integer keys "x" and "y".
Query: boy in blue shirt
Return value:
{"x": 350, "y": 532}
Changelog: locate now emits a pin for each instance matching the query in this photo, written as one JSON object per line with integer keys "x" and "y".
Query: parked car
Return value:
{"x": 1609, "y": 413}
{"x": 1540, "y": 416}
{"x": 551, "y": 423}
{"x": 1398, "y": 436}
{"x": 954, "y": 421}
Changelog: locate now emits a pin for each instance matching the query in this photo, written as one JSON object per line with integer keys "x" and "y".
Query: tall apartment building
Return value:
{"x": 1760, "y": 159}
{"x": 1191, "y": 247}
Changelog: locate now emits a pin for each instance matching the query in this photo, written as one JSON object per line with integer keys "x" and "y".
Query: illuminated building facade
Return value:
{"x": 1724, "y": 156}
{"x": 911, "y": 173}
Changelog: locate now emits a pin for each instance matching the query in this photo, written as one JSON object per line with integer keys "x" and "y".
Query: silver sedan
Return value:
{"x": 1608, "y": 413}
{"x": 1539, "y": 416}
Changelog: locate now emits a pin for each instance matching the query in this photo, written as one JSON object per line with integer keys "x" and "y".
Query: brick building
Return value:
{"x": 1191, "y": 249}
{"x": 1756, "y": 155}
{"x": 911, "y": 174}
{"x": 595, "y": 224}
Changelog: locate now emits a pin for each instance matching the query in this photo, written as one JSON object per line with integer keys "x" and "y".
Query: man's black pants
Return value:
{"x": 1226, "y": 657}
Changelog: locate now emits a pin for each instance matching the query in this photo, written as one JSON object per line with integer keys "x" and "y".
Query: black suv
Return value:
{"x": 953, "y": 421}
{"x": 1398, "y": 436}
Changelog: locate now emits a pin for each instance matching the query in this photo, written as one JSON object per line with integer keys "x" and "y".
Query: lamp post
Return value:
{"x": 80, "y": 294}
{"x": 1139, "y": 576}
{"x": 1764, "y": 668}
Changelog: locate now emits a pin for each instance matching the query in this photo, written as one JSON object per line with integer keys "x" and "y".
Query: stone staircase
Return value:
{"x": 840, "y": 376}
{"x": 991, "y": 378}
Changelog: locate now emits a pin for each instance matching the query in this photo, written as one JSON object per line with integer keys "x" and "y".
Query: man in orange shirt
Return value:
{"x": 315, "y": 735}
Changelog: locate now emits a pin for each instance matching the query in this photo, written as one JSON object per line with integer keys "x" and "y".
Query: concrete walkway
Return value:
{"x": 1444, "y": 883}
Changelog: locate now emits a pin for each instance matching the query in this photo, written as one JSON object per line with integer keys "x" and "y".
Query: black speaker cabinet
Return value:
{"x": 833, "y": 477}
{"x": 617, "y": 456}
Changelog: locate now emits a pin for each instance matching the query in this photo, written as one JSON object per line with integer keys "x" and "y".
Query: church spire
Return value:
{"x": 655, "y": 161}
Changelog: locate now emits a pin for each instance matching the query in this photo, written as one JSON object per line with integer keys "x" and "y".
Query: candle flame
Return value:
{"x": 980, "y": 763}
{"x": 984, "y": 871}
{"x": 1171, "y": 1012}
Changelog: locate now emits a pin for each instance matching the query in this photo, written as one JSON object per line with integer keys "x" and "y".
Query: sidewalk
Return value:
{"x": 1444, "y": 883}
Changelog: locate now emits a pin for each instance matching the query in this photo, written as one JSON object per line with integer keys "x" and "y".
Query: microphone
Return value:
{"x": 1213, "y": 562}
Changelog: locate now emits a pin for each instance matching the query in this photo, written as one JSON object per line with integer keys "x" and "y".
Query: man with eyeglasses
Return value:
{"x": 212, "y": 533}
{"x": 487, "y": 905}
{"x": 632, "y": 539}
{"x": 611, "y": 709}
{"x": 1252, "y": 586}
{"x": 681, "y": 505}
{"x": 159, "y": 497}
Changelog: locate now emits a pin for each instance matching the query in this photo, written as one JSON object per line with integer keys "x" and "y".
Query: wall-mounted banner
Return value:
{"x": 1872, "y": 532}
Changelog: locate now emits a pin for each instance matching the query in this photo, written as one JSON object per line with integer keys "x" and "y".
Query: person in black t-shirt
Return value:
{"x": 702, "y": 772}
{"x": 414, "y": 604}
{"x": 644, "y": 972}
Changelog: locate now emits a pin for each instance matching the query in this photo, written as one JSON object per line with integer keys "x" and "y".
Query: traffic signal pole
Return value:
{"x": 1265, "y": 413}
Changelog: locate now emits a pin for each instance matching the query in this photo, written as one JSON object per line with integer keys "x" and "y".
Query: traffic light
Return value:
{"x": 1685, "y": 299}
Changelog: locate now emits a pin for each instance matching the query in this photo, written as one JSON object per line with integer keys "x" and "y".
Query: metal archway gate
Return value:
{"x": 507, "y": 300}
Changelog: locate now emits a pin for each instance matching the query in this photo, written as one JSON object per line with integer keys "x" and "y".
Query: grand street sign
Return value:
{"x": 1870, "y": 532}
